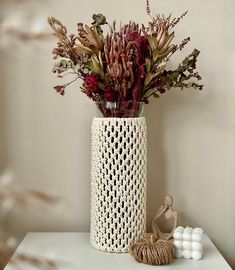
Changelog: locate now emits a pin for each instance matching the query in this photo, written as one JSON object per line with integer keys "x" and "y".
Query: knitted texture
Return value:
{"x": 118, "y": 182}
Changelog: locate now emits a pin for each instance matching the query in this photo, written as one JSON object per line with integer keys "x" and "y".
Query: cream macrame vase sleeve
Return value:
{"x": 118, "y": 182}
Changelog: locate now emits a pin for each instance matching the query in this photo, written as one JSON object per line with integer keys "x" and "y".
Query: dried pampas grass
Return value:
{"x": 12, "y": 196}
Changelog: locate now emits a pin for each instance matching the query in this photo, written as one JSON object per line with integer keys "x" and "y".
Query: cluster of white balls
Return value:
{"x": 188, "y": 242}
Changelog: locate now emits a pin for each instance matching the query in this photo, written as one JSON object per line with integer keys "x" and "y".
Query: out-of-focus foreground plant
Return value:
{"x": 11, "y": 197}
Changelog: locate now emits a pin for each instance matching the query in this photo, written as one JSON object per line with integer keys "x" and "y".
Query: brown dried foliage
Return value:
{"x": 65, "y": 46}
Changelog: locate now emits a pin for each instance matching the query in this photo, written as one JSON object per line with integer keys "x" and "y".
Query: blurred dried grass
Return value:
{"x": 10, "y": 1}
{"x": 13, "y": 1}
{"x": 12, "y": 21}
{"x": 12, "y": 196}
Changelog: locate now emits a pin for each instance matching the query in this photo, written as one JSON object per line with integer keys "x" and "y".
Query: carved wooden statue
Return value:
{"x": 168, "y": 213}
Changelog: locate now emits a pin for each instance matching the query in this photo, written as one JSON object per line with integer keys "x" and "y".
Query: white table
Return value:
{"x": 72, "y": 251}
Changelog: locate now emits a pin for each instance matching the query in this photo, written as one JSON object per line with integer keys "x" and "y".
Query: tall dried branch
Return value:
{"x": 65, "y": 46}
{"x": 185, "y": 71}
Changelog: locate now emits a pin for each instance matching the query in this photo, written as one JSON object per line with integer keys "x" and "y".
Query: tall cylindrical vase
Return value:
{"x": 118, "y": 182}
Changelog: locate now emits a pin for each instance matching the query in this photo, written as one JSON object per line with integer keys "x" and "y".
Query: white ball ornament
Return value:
{"x": 179, "y": 229}
{"x": 187, "y": 245}
{"x": 196, "y": 246}
{"x": 178, "y": 235}
{"x": 198, "y": 230}
{"x": 196, "y": 255}
{"x": 178, "y": 244}
{"x": 187, "y": 254}
{"x": 188, "y": 229}
{"x": 197, "y": 237}
{"x": 187, "y": 235}
{"x": 178, "y": 253}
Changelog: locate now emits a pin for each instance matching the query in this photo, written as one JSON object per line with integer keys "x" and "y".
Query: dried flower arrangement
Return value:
{"x": 127, "y": 65}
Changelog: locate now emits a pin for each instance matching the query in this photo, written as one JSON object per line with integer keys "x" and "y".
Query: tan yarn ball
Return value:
{"x": 150, "y": 250}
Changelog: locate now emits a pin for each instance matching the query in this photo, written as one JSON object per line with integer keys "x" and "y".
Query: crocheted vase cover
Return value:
{"x": 118, "y": 182}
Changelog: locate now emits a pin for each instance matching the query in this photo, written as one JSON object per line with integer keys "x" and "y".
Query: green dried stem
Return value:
{"x": 185, "y": 71}
{"x": 99, "y": 21}
{"x": 178, "y": 78}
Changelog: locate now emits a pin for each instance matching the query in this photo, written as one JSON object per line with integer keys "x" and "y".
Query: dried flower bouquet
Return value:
{"x": 125, "y": 66}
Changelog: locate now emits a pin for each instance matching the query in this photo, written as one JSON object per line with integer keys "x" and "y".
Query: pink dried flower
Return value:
{"x": 91, "y": 82}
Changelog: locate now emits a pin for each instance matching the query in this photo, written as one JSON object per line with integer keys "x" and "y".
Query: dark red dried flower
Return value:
{"x": 109, "y": 94}
{"x": 59, "y": 89}
{"x": 142, "y": 43}
{"x": 91, "y": 82}
{"x": 159, "y": 83}
{"x": 142, "y": 46}
{"x": 132, "y": 36}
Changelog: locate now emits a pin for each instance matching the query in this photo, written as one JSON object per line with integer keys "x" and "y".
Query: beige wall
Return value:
{"x": 45, "y": 138}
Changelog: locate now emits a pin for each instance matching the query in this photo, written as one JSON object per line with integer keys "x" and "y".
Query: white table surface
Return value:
{"x": 72, "y": 251}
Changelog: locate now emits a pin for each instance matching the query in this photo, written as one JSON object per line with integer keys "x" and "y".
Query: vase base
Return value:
{"x": 109, "y": 249}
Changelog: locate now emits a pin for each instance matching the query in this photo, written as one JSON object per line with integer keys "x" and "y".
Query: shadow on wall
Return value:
{"x": 157, "y": 114}
{"x": 156, "y": 176}
{"x": 3, "y": 122}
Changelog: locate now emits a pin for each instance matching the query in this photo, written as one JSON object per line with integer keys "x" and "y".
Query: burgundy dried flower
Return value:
{"x": 109, "y": 94}
{"x": 142, "y": 46}
{"x": 91, "y": 82}
{"x": 132, "y": 36}
{"x": 59, "y": 89}
{"x": 159, "y": 83}
{"x": 142, "y": 43}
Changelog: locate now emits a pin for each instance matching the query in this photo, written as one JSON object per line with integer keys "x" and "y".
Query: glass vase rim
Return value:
{"x": 120, "y": 102}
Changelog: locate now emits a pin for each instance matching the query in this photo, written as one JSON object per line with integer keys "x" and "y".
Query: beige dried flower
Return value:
{"x": 91, "y": 41}
{"x": 65, "y": 45}
{"x": 160, "y": 44}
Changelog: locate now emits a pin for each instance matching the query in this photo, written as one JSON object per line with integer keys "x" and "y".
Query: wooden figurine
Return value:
{"x": 167, "y": 213}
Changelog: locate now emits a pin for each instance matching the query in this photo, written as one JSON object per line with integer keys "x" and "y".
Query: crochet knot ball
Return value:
{"x": 150, "y": 250}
